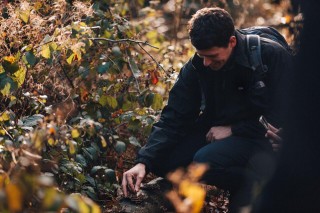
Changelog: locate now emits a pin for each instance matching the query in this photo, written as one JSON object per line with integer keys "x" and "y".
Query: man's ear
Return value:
{"x": 233, "y": 41}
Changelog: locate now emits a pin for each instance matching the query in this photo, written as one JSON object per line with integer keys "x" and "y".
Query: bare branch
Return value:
{"x": 152, "y": 58}
{"x": 124, "y": 40}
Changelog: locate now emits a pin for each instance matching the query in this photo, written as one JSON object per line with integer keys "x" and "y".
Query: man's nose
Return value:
{"x": 206, "y": 61}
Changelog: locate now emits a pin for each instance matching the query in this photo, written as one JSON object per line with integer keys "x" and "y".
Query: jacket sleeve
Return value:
{"x": 177, "y": 117}
{"x": 279, "y": 63}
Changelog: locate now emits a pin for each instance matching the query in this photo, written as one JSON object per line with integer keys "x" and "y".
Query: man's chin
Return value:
{"x": 216, "y": 68}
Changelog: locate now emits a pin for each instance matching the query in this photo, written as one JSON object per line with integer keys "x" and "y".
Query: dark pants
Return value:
{"x": 236, "y": 163}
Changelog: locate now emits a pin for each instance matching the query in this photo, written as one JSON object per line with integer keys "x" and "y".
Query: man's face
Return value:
{"x": 217, "y": 57}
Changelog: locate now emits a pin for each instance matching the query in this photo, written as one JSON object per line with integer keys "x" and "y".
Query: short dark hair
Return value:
{"x": 210, "y": 27}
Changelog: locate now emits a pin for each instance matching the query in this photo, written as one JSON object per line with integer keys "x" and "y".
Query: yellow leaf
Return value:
{"x": 19, "y": 76}
{"x": 6, "y": 90}
{"x": 2, "y": 132}
{"x": 51, "y": 141}
{"x": 103, "y": 142}
{"x": 45, "y": 51}
{"x": 1, "y": 69}
{"x": 24, "y": 16}
{"x": 14, "y": 197}
{"x": 3, "y": 180}
{"x": 49, "y": 198}
{"x": 83, "y": 207}
{"x": 37, "y": 5}
{"x": 72, "y": 147}
{"x": 194, "y": 193}
{"x": 5, "y": 116}
{"x": 75, "y": 133}
{"x": 11, "y": 59}
{"x": 70, "y": 59}
{"x": 108, "y": 100}
{"x": 95, "y": 208}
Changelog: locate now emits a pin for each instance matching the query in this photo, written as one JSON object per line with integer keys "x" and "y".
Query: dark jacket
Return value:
{"x": 229, "y": 96}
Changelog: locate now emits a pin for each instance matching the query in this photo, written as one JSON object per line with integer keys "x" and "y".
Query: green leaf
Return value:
{"x": 97, "y": 170}
{"x": 30, "y": 58}
{"x": 116, "y": 51}
{"x": 157, "y": 102}
{"x": 104, "y": 67}
{"x": 134, "y": 68}
{"x": 134, "y": 141}
{"x": 10, "y": 67}
{"x": 120, "y": 147}
{"x": 45, "y": 51}
{"x": 109, "y": 101}
{"x": 111, "y": 175}
{"x": 7, "y": 85}
{"x": 134, "y": 125}
{"x": 81, "y": 160}
{"x": 32, "y": 120}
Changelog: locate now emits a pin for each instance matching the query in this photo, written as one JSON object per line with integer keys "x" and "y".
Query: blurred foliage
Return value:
{"x": 82, "y": 82}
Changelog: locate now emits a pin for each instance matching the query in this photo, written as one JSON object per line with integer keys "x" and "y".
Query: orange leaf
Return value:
{"x": 14, "y": 197}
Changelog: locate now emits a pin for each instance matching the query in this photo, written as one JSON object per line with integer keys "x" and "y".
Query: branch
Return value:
{"x": 124, "y": 40}
{"x": 152, "y": 58}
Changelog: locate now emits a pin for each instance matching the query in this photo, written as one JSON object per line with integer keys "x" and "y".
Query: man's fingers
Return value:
{"x": 124, "y": 185}
{"x": 138, "y": 182}
{"x": 273, "y": 136}
{"x": 130, "y": 181}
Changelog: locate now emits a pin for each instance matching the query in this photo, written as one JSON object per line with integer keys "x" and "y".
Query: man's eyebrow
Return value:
{"x": 210, "y": 55}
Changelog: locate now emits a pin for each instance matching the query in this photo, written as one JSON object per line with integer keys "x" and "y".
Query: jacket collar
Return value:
{"x": 239, "y": 55}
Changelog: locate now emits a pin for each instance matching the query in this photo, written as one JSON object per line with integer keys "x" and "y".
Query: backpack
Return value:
{"x": 253, "y": 46}
{"x": 253, "y": 35}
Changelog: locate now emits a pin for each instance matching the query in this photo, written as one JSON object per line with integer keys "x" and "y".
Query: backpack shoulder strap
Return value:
{"x": 254, "y": 50}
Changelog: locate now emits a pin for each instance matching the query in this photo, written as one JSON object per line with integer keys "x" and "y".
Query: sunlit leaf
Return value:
{"x": 19, "y": 76}
{"x": 45, "y": 51}
{"x": 4, "y": 116}
{"x": 70, "y": 58}
{"x": 5, "y": 90}
{"x": 24, "y": 16}
{"x": 157, "y": 102}
{"x": 10, "y": 59}
{"x": 51, "y": 197}
{"x": 14, "y": 197}
{"x": 75, "y": 133}
{"x": 194, "y": 193}
{"x": 51, "y": 141}
{"x": 72, "y": 147}
{"x": 109, "y": 101}
{"x": 103, "y": 142}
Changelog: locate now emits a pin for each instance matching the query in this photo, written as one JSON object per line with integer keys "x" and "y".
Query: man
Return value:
{"x": 213, "y": 110}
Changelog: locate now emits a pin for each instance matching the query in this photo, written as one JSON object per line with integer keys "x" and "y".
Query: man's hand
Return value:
{"x": 136, "y": 174}
{"x": 218, "y": 132}
{"x": 274, "y": 137}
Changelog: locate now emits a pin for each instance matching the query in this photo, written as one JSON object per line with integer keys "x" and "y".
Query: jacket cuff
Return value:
{"x": 146, "y": 162}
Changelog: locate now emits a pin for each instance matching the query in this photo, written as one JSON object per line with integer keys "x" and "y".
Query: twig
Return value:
{"x": 124, "y": 40}
{"x": 152, "y": 58}
{"x": 135, "y": 78}
{"x": 65, "y": 73}
{"x": 7, "y": 132}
